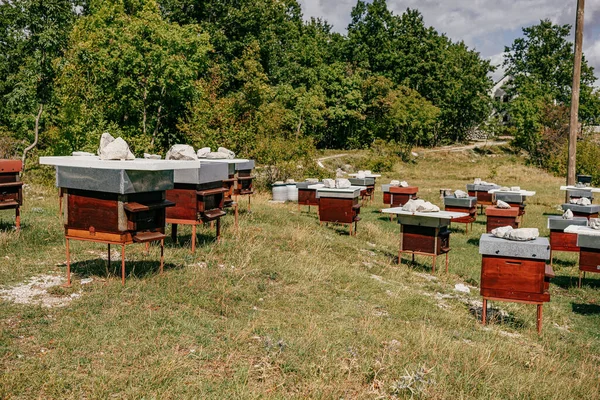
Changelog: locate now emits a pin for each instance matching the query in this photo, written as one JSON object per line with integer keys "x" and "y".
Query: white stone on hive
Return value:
{"x": 459, "y": 194}
{"x": 502, "y": 204}
{"x": 118, "y": 149}
{"x": 181, "y": 152}
{"x": 203, "y": 152}
{"x": 342, "y": 183}
{"x": 568, "y": 214}
{"x": 230, "y": 154}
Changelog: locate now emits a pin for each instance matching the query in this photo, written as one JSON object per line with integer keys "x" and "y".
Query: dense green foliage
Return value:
{"x": 249, "y": 75}
{"x": 541, "y": 63}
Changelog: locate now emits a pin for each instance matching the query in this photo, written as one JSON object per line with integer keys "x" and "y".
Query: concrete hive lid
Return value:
{"x": 139, "y": 164}
{"x": 591, "y": 209}
{"x": 557, "y": 222}
{"x": 470, "y": 201}
{"x": 538, "y": 249}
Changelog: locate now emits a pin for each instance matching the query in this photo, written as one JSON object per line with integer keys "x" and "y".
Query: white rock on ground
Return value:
{"x": 459, "y": 287}
{"x": 181, "y": 152}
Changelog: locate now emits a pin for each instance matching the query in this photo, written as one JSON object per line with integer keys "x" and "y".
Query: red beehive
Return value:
{"x": 11, "y": 188}
{"x": 497, "y": 217}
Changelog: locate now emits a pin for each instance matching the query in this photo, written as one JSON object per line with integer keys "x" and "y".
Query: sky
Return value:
{"x": 485, "y": 25}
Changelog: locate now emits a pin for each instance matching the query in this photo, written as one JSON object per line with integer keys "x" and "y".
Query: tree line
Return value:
{"x": 245, "y": 74}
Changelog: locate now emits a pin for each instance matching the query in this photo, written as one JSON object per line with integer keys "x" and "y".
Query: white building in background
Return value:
{"x": 500, "y": 94}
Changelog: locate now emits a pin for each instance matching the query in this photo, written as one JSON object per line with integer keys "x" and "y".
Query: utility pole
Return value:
{"x": 574, "y": 120}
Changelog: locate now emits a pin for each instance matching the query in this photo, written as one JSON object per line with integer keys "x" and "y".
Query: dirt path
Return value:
{"x": 320, "y": 160}
{"x": 463, "y": 148}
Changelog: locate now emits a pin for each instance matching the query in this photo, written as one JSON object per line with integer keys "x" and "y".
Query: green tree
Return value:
{"x": 129, "y": 69}
{"x": 33, "y": 33}
{"x": 541, "y": 64}
{"x": 543, "y": 58}
{"x": 450, "y": 75}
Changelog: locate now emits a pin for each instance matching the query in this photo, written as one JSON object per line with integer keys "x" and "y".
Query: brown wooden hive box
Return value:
{"x": 515, "y": 271}
{"x": 497, "y": 217}
{"x": 11, "y": 188}
{"x": 424, "y": 239}
{"x": 340, "y": 206}
{"x": 401, "y": 195}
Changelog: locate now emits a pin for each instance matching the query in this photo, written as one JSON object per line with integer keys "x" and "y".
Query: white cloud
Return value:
{"x": 486, "y": 25}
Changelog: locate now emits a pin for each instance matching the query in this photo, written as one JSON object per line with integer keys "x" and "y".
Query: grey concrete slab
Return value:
{"x": 538, "y": 249}
{"x": 204, "y": 173}
{"x": 460, "y": 202}
{"x": 362, "y": 182}
{"x": 113, "y": 180}
{"x": 591, "y": 209}
{"x": 558, "y": 223}
{"x": 481, "y": 188}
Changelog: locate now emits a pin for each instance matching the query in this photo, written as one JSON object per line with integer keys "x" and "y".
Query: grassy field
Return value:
{"x": 289, "y": 309}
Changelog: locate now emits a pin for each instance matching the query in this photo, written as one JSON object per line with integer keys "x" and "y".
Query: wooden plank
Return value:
{"x": 80, "y": 234}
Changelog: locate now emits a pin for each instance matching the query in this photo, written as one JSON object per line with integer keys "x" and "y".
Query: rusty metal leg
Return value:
{"x": 218, "y": 230}
{"x": 539, "y": 319}
{"x": 434, "y": 259}
{"x": 413, "y": 258}
{"x": 484, "y": 312}
{"x": 194, "y": 238}
{"x": 18, "y": 218}
{"x": 551, "y": 259}
{"x": 249, "y": 197}
{"x": 60, "y": 203}
{"x": 162, "y": 255}
{"x": 351, "y": 229}
{"x": 355, "y": 227}
{"x": 108, "y": 263}
{"x": 446, "y": 262}
{"x": 68, "y": 265}
{"x": 174, "y": 233}
{"x": 123, "y": 265}
{"x": 147, "y": 248}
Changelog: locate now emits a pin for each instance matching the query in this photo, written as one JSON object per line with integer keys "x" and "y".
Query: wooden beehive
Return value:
{"x": 307, "y": 194}
{"x": 397, "y": 196}
{"x": 466, "y": 205}
{"x": 589, "y": 251}
{"x": 561, "y": 240}
{"x": 339, "y": 205}
{"x": 481, "y": 192}
{"x": 424, "y": 239}
{"x": 515, "y": 271}
{"x": 588, "y": 211}
{"x": 11, "y": 188}
{"x": 498, "y": 217}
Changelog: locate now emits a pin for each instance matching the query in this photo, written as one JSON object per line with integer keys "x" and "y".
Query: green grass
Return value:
{"x": 289, "y": 309}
